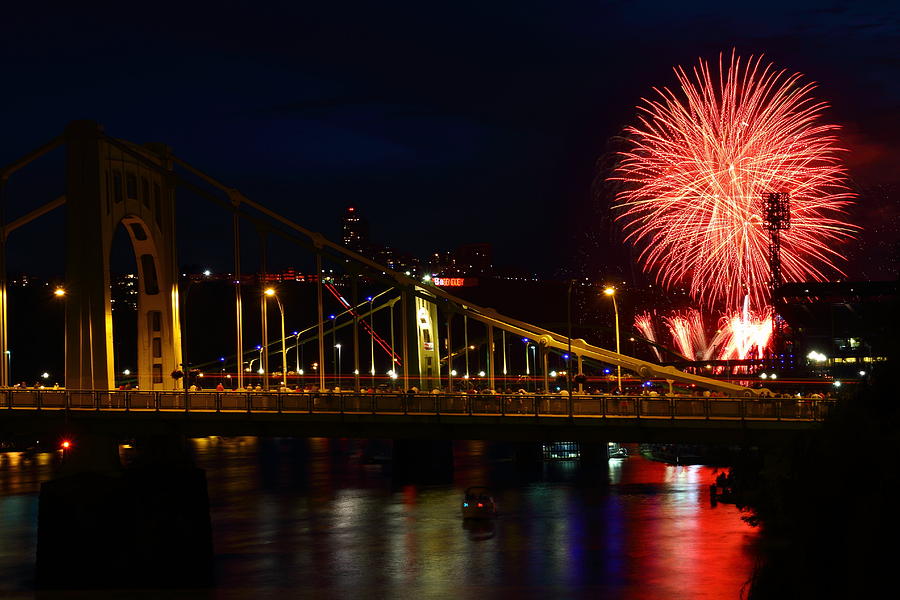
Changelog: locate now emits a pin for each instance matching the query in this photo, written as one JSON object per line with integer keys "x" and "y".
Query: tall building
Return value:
{"x": 355, "y": 231}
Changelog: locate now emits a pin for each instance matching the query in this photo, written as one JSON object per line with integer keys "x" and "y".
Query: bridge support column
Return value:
{"x": 594, "y": 454}
{"x": 102, "y": 526}
{"x": 4, "y": 346}
{"x": 423, "y": 461}
{"x": 529, "y": 456}
{"x": 490, "y": 356}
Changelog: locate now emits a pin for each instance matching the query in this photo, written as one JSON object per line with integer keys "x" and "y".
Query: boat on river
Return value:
{"x": 614, "y": 450}
{"x": 478, "y": 504}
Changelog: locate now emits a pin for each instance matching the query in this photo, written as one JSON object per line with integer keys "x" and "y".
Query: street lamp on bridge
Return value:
{"x": 611, "y": 292}
{"x": 270, "y": 292}
{"x": 338, "y": 347}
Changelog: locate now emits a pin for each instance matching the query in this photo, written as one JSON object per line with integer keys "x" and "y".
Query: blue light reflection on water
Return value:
{"x": 309, "y": 519}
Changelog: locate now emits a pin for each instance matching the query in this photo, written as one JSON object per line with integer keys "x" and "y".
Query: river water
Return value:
{"x": 298, "y": 518}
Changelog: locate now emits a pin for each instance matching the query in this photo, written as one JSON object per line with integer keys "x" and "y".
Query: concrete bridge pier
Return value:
{"x": 104, "y": 526}
{"x": 422, "y": 461}
{"x": 529, "y": 456}
{"x": 594, "y": 454}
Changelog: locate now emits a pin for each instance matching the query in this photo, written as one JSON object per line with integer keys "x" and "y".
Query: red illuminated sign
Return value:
{"x": 449, "y": 281}
{"x": 455, "y": 281}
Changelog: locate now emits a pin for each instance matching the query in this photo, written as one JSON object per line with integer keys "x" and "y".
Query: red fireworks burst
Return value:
{"x": 700, "y": 161}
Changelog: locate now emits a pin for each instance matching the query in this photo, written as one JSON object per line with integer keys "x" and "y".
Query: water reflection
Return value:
{"x": 318, "y": 518}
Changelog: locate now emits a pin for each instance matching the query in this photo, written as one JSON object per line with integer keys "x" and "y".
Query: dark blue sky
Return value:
{"x": 445, "y": 123}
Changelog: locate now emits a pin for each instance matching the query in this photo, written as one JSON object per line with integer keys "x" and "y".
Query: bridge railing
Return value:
{"x": 504, "y": 405}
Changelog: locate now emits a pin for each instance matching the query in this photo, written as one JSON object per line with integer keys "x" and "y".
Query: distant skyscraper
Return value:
{"x": 355, "y": 231}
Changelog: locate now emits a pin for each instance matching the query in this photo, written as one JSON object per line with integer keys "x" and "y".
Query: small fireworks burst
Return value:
{"x": 740, "y": 335}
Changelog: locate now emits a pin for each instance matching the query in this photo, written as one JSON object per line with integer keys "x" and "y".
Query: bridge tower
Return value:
{"x": 107, "y": 183}
{"x": 425, "y": 358}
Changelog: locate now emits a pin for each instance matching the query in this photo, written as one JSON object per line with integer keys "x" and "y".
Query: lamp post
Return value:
{"x": 569, "y": 338}
{"x": 338, "y": 347}
{"x": 271, "y": 293}
{"x": 261, "y": 368}
{"x": 297, "y": 349}
{"x": 611, "y": 292}
{"x": 372, "y": 339}
{"x": 59, "y": 292}
{"x": 527, "y": 371}
{"x": 334, "y": 342}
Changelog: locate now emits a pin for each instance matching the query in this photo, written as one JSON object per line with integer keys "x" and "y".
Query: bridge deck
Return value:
{"x": 456, "y": 416}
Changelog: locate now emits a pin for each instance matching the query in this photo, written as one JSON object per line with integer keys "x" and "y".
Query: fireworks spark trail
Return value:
{"x": 689, "y": 334}
{"x": 644, "y": 324}
{"x": 700, "y": 160}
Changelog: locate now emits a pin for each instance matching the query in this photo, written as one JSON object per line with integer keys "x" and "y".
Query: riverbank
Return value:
{"x": 825, "y": 505}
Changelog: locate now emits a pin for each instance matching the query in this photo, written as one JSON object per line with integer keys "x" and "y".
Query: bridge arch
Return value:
{"x": 106, "y": 186}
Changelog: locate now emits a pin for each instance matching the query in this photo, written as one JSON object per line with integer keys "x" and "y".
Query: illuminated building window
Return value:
{"x": 157, "y": 373}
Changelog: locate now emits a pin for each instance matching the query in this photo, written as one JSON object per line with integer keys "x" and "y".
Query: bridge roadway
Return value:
{"x": 408, "y": 416}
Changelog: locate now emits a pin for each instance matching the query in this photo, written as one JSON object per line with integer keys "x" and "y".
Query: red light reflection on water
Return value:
{"x": 680, "y": 546}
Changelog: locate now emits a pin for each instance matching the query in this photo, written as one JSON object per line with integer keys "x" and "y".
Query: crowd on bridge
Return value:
{"x": 645, "y": 390}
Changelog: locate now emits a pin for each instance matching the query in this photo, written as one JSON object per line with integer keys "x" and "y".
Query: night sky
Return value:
{"x": 445, "y": 123}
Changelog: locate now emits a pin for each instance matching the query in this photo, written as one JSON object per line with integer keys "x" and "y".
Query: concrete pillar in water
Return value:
{"x": 423, "y": 461}
{"x": 102, "y": 526}
{"x": 593, "y": 454}
{"x": 529, "y": 456}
